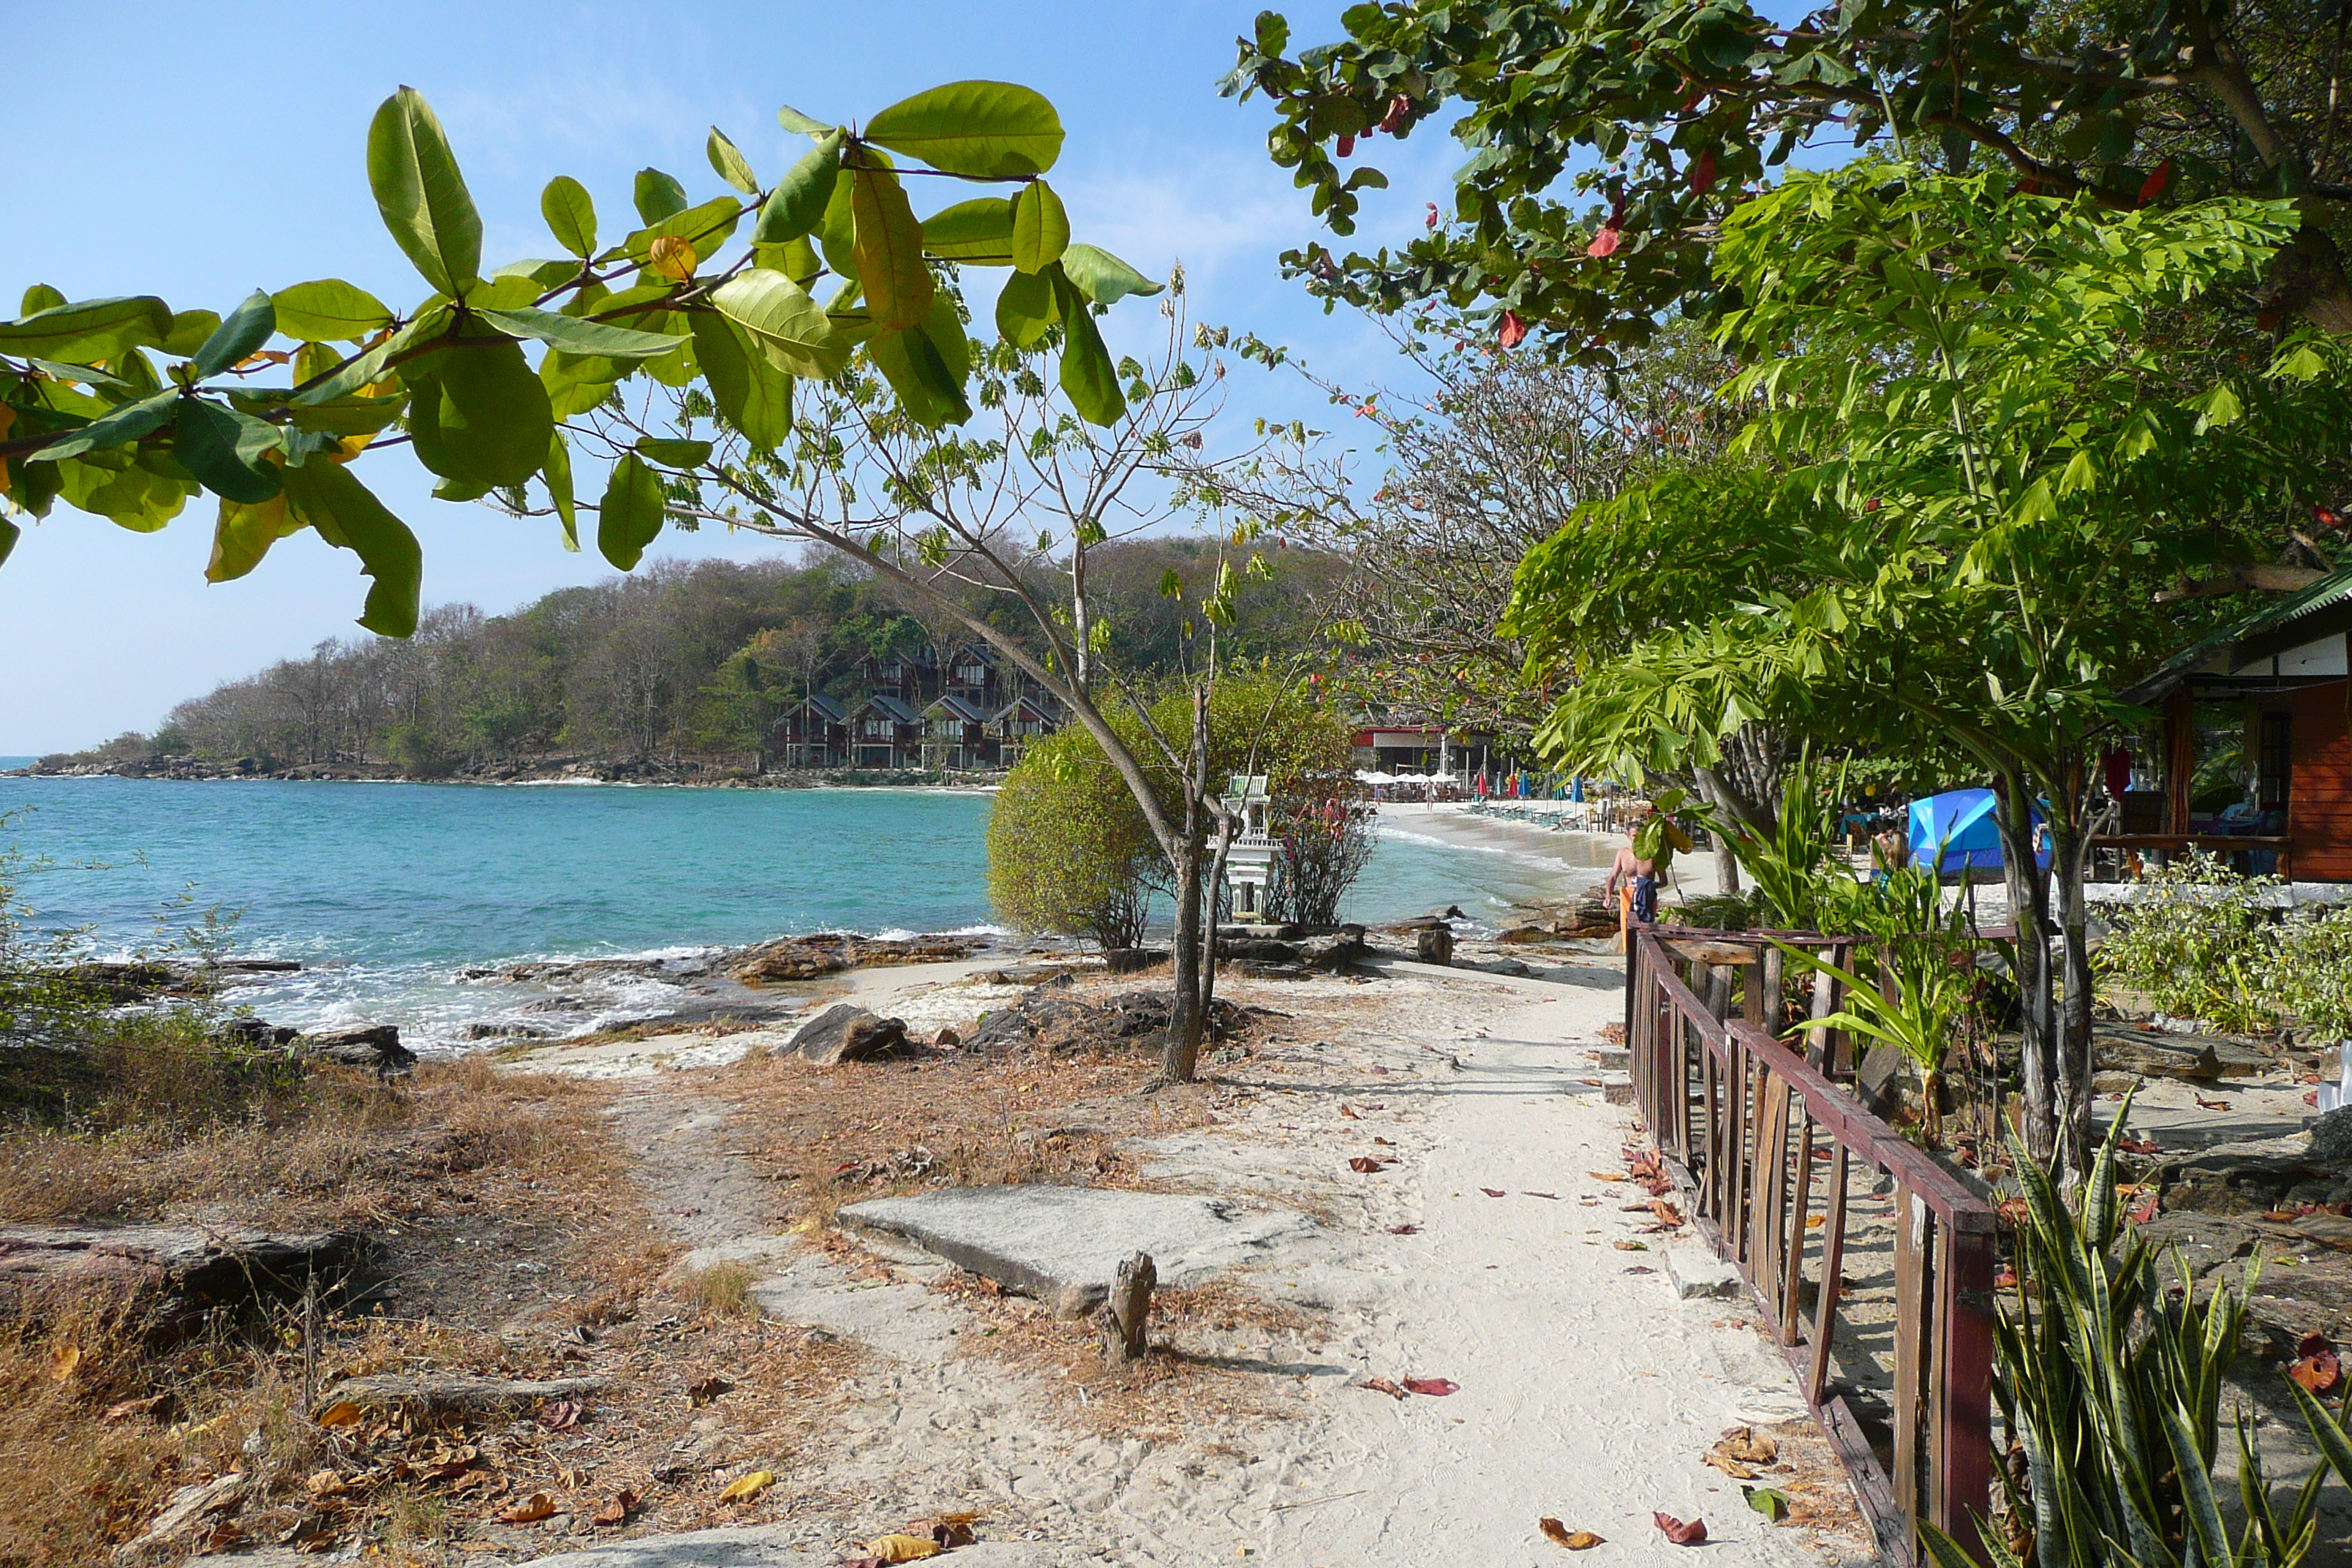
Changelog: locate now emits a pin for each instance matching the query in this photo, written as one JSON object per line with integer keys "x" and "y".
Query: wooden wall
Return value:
{"x": 2319, "y": 809}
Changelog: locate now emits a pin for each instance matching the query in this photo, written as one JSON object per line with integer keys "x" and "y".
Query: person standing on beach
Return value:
{"x": 1633, "y": 878}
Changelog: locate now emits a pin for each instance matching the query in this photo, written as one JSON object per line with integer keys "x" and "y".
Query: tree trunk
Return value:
{"x": 2029, "y": 903}
{"x": 1127, "y": 1317}
{"x": 1192, "y": 946}
{"x": 2069, "y": 848}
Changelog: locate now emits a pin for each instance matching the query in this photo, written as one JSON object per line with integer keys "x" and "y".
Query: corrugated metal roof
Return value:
{"x": 957, "y": 709}
{"x": 890, "y": 707}
{"x": 2334, "y": 589}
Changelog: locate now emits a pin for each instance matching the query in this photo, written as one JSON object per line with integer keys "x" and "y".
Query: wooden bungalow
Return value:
{"x": 974, "y": 674}
{"x": 909, "y": 676}
{"x": 955, "y": 735}
{"x": 1020, "y": 721}
{"x": 886, "y": 732}
{"x": 2269, "y": 693}
{"x": 814, "y": 733}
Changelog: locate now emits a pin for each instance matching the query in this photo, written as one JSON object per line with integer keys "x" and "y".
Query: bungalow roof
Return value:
{"x": 2325, "y": 602}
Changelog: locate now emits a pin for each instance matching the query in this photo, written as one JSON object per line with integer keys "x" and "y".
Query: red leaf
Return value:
{"x": 1399, "y": 107}
{"x": 1381, "y": 1386}
{"x": 1365, "y": 1165}
{"x": 1693, "y": 1533}
{"x": 562, "y": 1415}
{"x": 1702, "y": 174}
{"x": 2327, "y": 517}
{"x": 2153, "y": 186}
{"x": 2205, "y": 1104}
{"x": 1347, "y": 147}
{"x": 2147, "y": 1210}
{"x": 2005, "y": 1279}
{"x": 2314, "y": 1344}
{"x": 1493, "y": 1192}
{"x": 1404, "y": 1230}
{"x": 1605, "y": 242}
{"x": 1514, "y": 331}
{"x": 1431, "y": 221}
{"x": 2317, "y": 1374}
{"x": 1437, "y": 1388}
{"x": 2139, "y": 1146}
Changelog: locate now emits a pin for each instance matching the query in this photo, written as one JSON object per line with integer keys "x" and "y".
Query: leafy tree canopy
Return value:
{"x": 1609, "y": 139}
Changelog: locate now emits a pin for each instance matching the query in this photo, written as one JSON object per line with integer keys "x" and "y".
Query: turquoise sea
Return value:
{"x": 384, "y": 891}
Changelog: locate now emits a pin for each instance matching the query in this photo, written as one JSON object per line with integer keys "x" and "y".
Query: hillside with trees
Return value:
{"x": 674, "y": 669}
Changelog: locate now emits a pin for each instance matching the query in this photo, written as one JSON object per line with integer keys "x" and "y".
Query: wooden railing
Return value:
{"x": 1747, "y": 1126}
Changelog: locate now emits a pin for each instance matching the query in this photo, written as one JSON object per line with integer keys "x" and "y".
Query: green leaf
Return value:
{"x": 1041, "y": 228}
{"x": 630, "y": 516}
{"x": 752, "y": 395}
{"x": 992, "y": 129}
{"x": 889, "y": 249}
{"x": 248, "y": 327}
{"x": 347, "y": 416}
{"x": 673, "y": 453}
{"x": 706, "y": 227}
{"x": 944, "y": 327}
{"x": 505, "y": 292}
{"x": 1770, "y": 1501}
{"x": 222, "y": 449}
{"x": 571, "y": 215}
{"x": 797, "y": 203}
{"x": 477, "y": 413}
{"x": 9, "y": 534}
{"x": 912, "y": 365}
{"x": 1172, "y": 585}
{"x": 792, "y": 119}
{"x": 1088, "y": 376}
{"x": 361, "y": 370}
{"x": 330, "y": 498}
{"x": 421, "y": 195}
{"x": 780, "y": 316}
{"x": 243, "y": 535}
{"x": 188, "y": 330}
{"x": 328, "y": 309}
{"x": 658, "y": 196}
{"x": 573, "y": 335}
{"x": 731, "y": 163}
{"x": 1104, "y": 278}
{"x": 556, "y": 473}
{"x": 127, "y": 423}
{"x": 979, "y": 231}
{"x": 40, "y": 297}
{"x": 99, "y": 325}
{"x": 1025, "y": 308}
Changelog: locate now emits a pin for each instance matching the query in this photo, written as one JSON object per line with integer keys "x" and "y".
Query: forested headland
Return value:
{"x": 677, "y": 668}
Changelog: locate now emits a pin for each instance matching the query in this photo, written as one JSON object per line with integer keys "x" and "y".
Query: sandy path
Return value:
{"x": 1586, "y": 1393}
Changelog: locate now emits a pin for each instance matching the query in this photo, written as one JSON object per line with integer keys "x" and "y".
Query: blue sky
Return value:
{"x": 220, "y": 149}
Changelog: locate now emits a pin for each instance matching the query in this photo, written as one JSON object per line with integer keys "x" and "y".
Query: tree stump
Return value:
{"x": 1125, "y": 1317}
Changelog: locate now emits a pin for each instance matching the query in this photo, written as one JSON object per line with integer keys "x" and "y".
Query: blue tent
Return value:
{"x": 1961, "y": 822}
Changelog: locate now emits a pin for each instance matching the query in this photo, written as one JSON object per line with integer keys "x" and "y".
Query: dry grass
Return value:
{"x": 723, "y": 1290}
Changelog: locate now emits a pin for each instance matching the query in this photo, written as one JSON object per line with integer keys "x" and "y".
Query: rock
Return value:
{"x": 1336, "y": 950}
{"x": 1133, "y": 960}
{"x": 256, "y": 1032}
{"x": 947, "y": 1040}
{"x": 828, "y": 953}
{"x": 1257, "y": 950}
{"x": 2327, "y": 1229}
{"x": 1433, "y": 944}
{"x": 2153, "y": 1058}
{"x": 1061, "y": 1025}
{"x": 1064, "y": 1245}
{"x": 507, "y": 1032}
{"x": 1697, "y": 1272}
{"x": 185, "y": 1272}
{"x": 848, "y": 1033}
{"x": 458, "y": 1394}
{"x": 183, "y": 1516}
{"x": 375, "y": 1046}
{"x": 1511, "y": 967}
{"x": 2331, "y": 1137}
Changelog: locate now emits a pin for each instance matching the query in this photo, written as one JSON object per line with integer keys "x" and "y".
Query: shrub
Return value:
{"x": 2194, "y": 941}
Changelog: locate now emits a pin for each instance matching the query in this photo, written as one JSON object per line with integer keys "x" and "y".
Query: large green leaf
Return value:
{"x": 477, "y": 413}
{"x": 944, "y": 326}
{"x": 127, "y": 423}
{"x": 672, "y": 452}
{"x": 62, "y": 331}
{"x": 889, "y": 249}
{"x": 328, "y": 309}
{"x": 9, "y": 534}
{"x": 571, "y": 215}
{"x": 250, "y": 325}
{"x": 913, "y": 366}
{"x": 629, "y": 518}
{"x": 752, "y": 394}
{"x": 575, "y": 386}
{"x": 731, "y": 163}
{"x": 1027, "y": 308}
{"x": 979, "y": 231}
{"x": 994, "y": 130}
{"x": 40, "y": 297}
{"x": 1088, "y": 376}
{"x": 780, "y": 316}
{"x": 836, "y": 232}
{"x": 243, "y": 535}
{"x": 1102, "y": 277}
{"x": 421, "y": 195}
{"x": 556, "y": 474}
{"x": 1041, "y": 228}
{"x": 363, "y": 369}
{"x": 111, "y": 486}
{"x": 706, "y": 227}
{"x": 792, "y": 119}
{"x": 659, "y": 196}
{"x": 330, "y": 498}
{"x": 347, "y": 416}
{"x": 573, "y": 335}
{"x": 188, "y": 330}
{"x": 222, "y": 449}
{"x": 797, "y": 203}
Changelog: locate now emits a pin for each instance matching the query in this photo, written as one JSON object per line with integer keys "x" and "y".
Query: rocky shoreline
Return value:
{"x": 562, "y": 770}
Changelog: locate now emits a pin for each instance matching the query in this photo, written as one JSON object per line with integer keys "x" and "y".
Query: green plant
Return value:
{"x": 2309, "y": 969}
{"x": 2195, "y": 941}
{"x": 2112, "y": 1386}
{"x": 1934, "y": 985}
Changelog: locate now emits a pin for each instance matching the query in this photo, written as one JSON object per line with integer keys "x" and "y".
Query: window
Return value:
{"x": 2274, "y": 769}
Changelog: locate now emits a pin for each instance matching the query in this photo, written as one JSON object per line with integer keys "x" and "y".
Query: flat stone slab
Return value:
{"x": 1062, "y": 1244}
{"x": 769, "y": 1546}
{"x": 1697, "y": 1272}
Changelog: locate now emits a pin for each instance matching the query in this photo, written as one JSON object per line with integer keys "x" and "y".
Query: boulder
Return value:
{"x": 187, "y": 1516}
{"x": 1334, "y": 950}
{"x": 184, "y": 1271}
{"x": 2331, "y": 1137}
{"x": 1433, "y": 944}
{"x": 848, "y": 1033}
{"x": 1258, "y": 950}
{"x": 258, "y": 1031}
{"x": 375, "y": 1046}
{"x": 828, "y": 953}
{"x": 1133, "y": 960}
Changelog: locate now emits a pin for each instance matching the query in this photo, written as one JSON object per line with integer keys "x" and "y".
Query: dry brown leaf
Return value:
{"x": 1381, "y": 1386}
{"x": 1727, "y": 1465}
{"x": 530, "y": 1510}
{"x": 560, "y": 1416}
{"x": 703, "y": 1391}
{"x": 1630, "y": 1245}
{"x": 622, "y": 1504}
{"x": 342, "y": 1413}
{"x": 1349, "y": 1113}
{"x": 153, "y": 1405}
{"x": 62, "y": 1362}
{"x": 1748, "y": 1444}
{"x": 1692, "y": 1533}
{"x": 1559, "y": 1534}
{"x": 1365, "y": 1165}
{"x": 746, "y": 1487}
{"x": 902, "y": 1548}
{"x": 1605, "y": 1175}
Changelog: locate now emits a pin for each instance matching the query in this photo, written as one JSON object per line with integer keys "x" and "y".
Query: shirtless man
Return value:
{"x": 1639, "y": 878}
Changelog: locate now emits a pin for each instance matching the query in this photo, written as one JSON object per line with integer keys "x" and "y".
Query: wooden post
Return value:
{"x": 2180, "y": 758}
{"x": 1832, "y": 1260}
{"x": 1964, "y": 1436}
{"x": 1125, "y": 1317}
